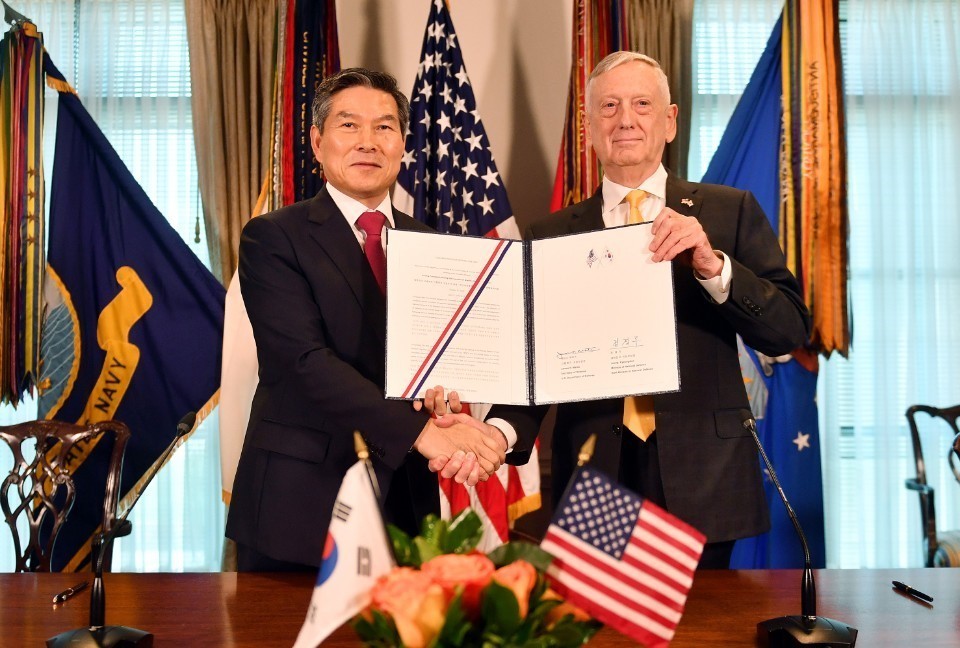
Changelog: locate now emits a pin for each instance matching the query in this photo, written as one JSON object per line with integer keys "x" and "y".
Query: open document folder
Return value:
{"x": 577, "y": 317}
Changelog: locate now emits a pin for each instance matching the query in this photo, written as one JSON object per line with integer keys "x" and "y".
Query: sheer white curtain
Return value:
{"x": 902, "y": 80}
{"x": 728, "y": 38}
{"x": 128, "y": 60}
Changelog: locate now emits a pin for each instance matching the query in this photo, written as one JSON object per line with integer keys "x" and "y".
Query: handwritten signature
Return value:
{"x": 561, "y": 355}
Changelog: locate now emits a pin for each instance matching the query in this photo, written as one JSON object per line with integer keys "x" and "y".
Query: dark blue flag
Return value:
{"x": 134, "y": 321}
{"x": 748, "y": 158}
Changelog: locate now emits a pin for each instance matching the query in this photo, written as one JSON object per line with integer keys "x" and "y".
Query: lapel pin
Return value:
{"x": 687, "y": 201}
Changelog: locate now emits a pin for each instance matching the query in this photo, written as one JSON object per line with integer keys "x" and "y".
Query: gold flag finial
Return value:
{"x": 360, "y": 446}
{"x": 586, "y": 450}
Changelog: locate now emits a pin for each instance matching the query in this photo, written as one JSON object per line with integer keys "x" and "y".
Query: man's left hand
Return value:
{"x": 678, "y": 236}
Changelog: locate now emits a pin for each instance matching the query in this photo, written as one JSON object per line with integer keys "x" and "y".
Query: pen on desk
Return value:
{"x": 906, "y": 589}
{"x": 70, "y": 591}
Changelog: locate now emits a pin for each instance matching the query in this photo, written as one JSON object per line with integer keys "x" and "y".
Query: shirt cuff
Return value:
{"x": 718, "y": 287}
{"x": 507, "y": 429}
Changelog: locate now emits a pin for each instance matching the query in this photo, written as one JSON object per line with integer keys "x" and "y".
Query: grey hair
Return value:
{"x": 619, "y": 58}
{"x": 357, "y": 77}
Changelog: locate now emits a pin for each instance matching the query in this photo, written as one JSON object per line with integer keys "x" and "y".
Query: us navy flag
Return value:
{"x": 133, "y": 319}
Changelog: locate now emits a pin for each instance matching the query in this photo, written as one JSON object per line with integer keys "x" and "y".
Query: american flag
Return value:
{"x": 448, "y": 179}
{"x": 625, "y": 561}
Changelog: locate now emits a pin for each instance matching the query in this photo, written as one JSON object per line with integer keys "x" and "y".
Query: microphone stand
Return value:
{"x": 807, "y": 629}
{"x": 98, "y": 634}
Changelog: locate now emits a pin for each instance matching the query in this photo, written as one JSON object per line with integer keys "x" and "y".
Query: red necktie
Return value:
{"x": 371, "y": 223}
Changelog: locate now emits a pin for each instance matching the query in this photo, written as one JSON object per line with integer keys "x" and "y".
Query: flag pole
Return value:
{"x": 583, "y": 457}
{"x": 363, "y": 454}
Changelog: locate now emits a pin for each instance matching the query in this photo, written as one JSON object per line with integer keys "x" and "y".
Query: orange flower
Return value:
{"x": 415, "y": 603}
{"x": 519, "y": 577}
{"x": 471, "y": 571}
{"x": 560, "y": 611}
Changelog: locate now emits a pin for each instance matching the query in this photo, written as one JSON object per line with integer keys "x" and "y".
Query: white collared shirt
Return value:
{"x": 616, "y": 212}
{"x": 352, "y": 209}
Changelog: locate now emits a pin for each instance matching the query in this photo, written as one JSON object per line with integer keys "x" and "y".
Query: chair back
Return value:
{"x": 928, "y": 515}
{"x": 41, "y": 489}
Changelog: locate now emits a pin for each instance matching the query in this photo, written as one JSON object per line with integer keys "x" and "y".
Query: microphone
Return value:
{"x": 98, "y": 634}
{"x": 807, "y": 629}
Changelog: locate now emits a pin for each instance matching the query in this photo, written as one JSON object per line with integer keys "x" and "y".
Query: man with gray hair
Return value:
{"x": 687, "y": 451}
{"x": 313, "y": 278}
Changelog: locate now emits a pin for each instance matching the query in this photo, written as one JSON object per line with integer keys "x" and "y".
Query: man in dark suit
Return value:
{"x": 313, "y": 278}
{"x": 698, "y": 460}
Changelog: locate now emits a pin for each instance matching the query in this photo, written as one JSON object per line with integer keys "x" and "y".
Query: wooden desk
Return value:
{"x": 266, "y": 610}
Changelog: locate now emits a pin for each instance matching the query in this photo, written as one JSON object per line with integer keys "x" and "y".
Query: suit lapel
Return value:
{"x": 683, "y": 197}
{"x": 588, "y": 215}
{"x": 329, "y": 229}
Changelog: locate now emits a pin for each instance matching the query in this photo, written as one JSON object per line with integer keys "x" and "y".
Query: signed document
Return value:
{"x": 577, "y": 317}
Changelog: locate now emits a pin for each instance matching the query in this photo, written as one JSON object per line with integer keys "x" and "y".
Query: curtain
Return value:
{"x": 901, "y": 61}
{"x": 663, "y": 29}
{"x": 128, "y": 61}
{"x": 728, "y": 38}
{"x": 232, "y": 60}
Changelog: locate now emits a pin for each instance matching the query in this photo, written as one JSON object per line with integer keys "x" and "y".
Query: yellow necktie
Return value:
{"x": 638, "y": 410}
{"x": 635, "y": 199}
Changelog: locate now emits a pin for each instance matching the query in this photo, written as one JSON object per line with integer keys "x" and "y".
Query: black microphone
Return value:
{"x": 807, "y": 629}
{"x": 121, "y": 527}
{"x": 98, "y": 634}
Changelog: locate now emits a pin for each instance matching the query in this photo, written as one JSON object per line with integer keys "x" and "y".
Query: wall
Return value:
{"x": 517, "y": 55}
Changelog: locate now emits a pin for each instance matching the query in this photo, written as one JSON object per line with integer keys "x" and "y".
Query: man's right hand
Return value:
{"x": 457, "y": 440}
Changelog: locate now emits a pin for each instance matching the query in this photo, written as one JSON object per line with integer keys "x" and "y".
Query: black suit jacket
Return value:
{"x": 319, "y": 320}
{"x": 708, "y": 461}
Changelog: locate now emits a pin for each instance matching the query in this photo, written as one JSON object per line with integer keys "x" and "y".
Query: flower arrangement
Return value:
{"x": 445, "y": 593}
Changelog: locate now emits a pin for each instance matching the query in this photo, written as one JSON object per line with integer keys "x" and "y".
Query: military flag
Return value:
{"x": 21, "y": 209}
{"x": 784, "y": 143}
{"x": 134, "y": 320}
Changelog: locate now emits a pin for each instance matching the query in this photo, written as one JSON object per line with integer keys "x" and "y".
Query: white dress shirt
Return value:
{"x": 616, "y": 212}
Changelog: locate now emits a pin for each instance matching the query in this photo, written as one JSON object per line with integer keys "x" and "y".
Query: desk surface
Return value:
{"x": 267, "y": 610}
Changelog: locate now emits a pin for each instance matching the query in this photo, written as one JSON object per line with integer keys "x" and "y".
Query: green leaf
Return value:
{"x": 403, "y": 548}
{"x": 380, "y": 632}
{"x": 433, "y": 530}
{"x": 500, "y": 610}
{"x": 568, "y": 633}
{"x": 464, "y": 533}
{"x": 426, "y": 549}
{"x": 456, "y": 626}
{"x": 513, "y": 551}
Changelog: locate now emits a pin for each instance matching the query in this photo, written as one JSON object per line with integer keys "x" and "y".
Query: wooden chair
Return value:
{"x": 41, "y": 489}
{"x": 941, "y": 549}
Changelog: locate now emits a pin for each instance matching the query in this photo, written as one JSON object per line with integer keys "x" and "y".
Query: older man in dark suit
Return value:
{"x": 687, "y": 451}
{"x": 313, "y": 278}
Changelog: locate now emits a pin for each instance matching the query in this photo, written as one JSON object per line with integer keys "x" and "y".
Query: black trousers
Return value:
{"x": 642, "y": 474}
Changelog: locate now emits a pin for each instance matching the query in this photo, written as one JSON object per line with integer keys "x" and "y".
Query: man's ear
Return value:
{"x": 672, "y": 111}
{"x": 315, "y": 139}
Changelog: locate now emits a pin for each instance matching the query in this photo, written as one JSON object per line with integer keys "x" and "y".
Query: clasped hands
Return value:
{"x": 456, "y": 444}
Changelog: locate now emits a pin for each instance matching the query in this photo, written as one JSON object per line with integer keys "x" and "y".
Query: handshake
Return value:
{"x": 456, "y": 444}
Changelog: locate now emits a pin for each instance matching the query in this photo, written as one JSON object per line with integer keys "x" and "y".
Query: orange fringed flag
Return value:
{"x": 813, "y": 214}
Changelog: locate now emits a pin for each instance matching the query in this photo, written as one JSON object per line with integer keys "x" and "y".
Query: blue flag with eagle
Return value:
{"x": 782, "y": 390}
{"x": 133, "y": 323}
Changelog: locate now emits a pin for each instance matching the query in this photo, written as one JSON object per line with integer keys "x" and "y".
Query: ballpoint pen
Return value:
{"x": 906, "y": 589}
{"x": 70, "y": 591}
